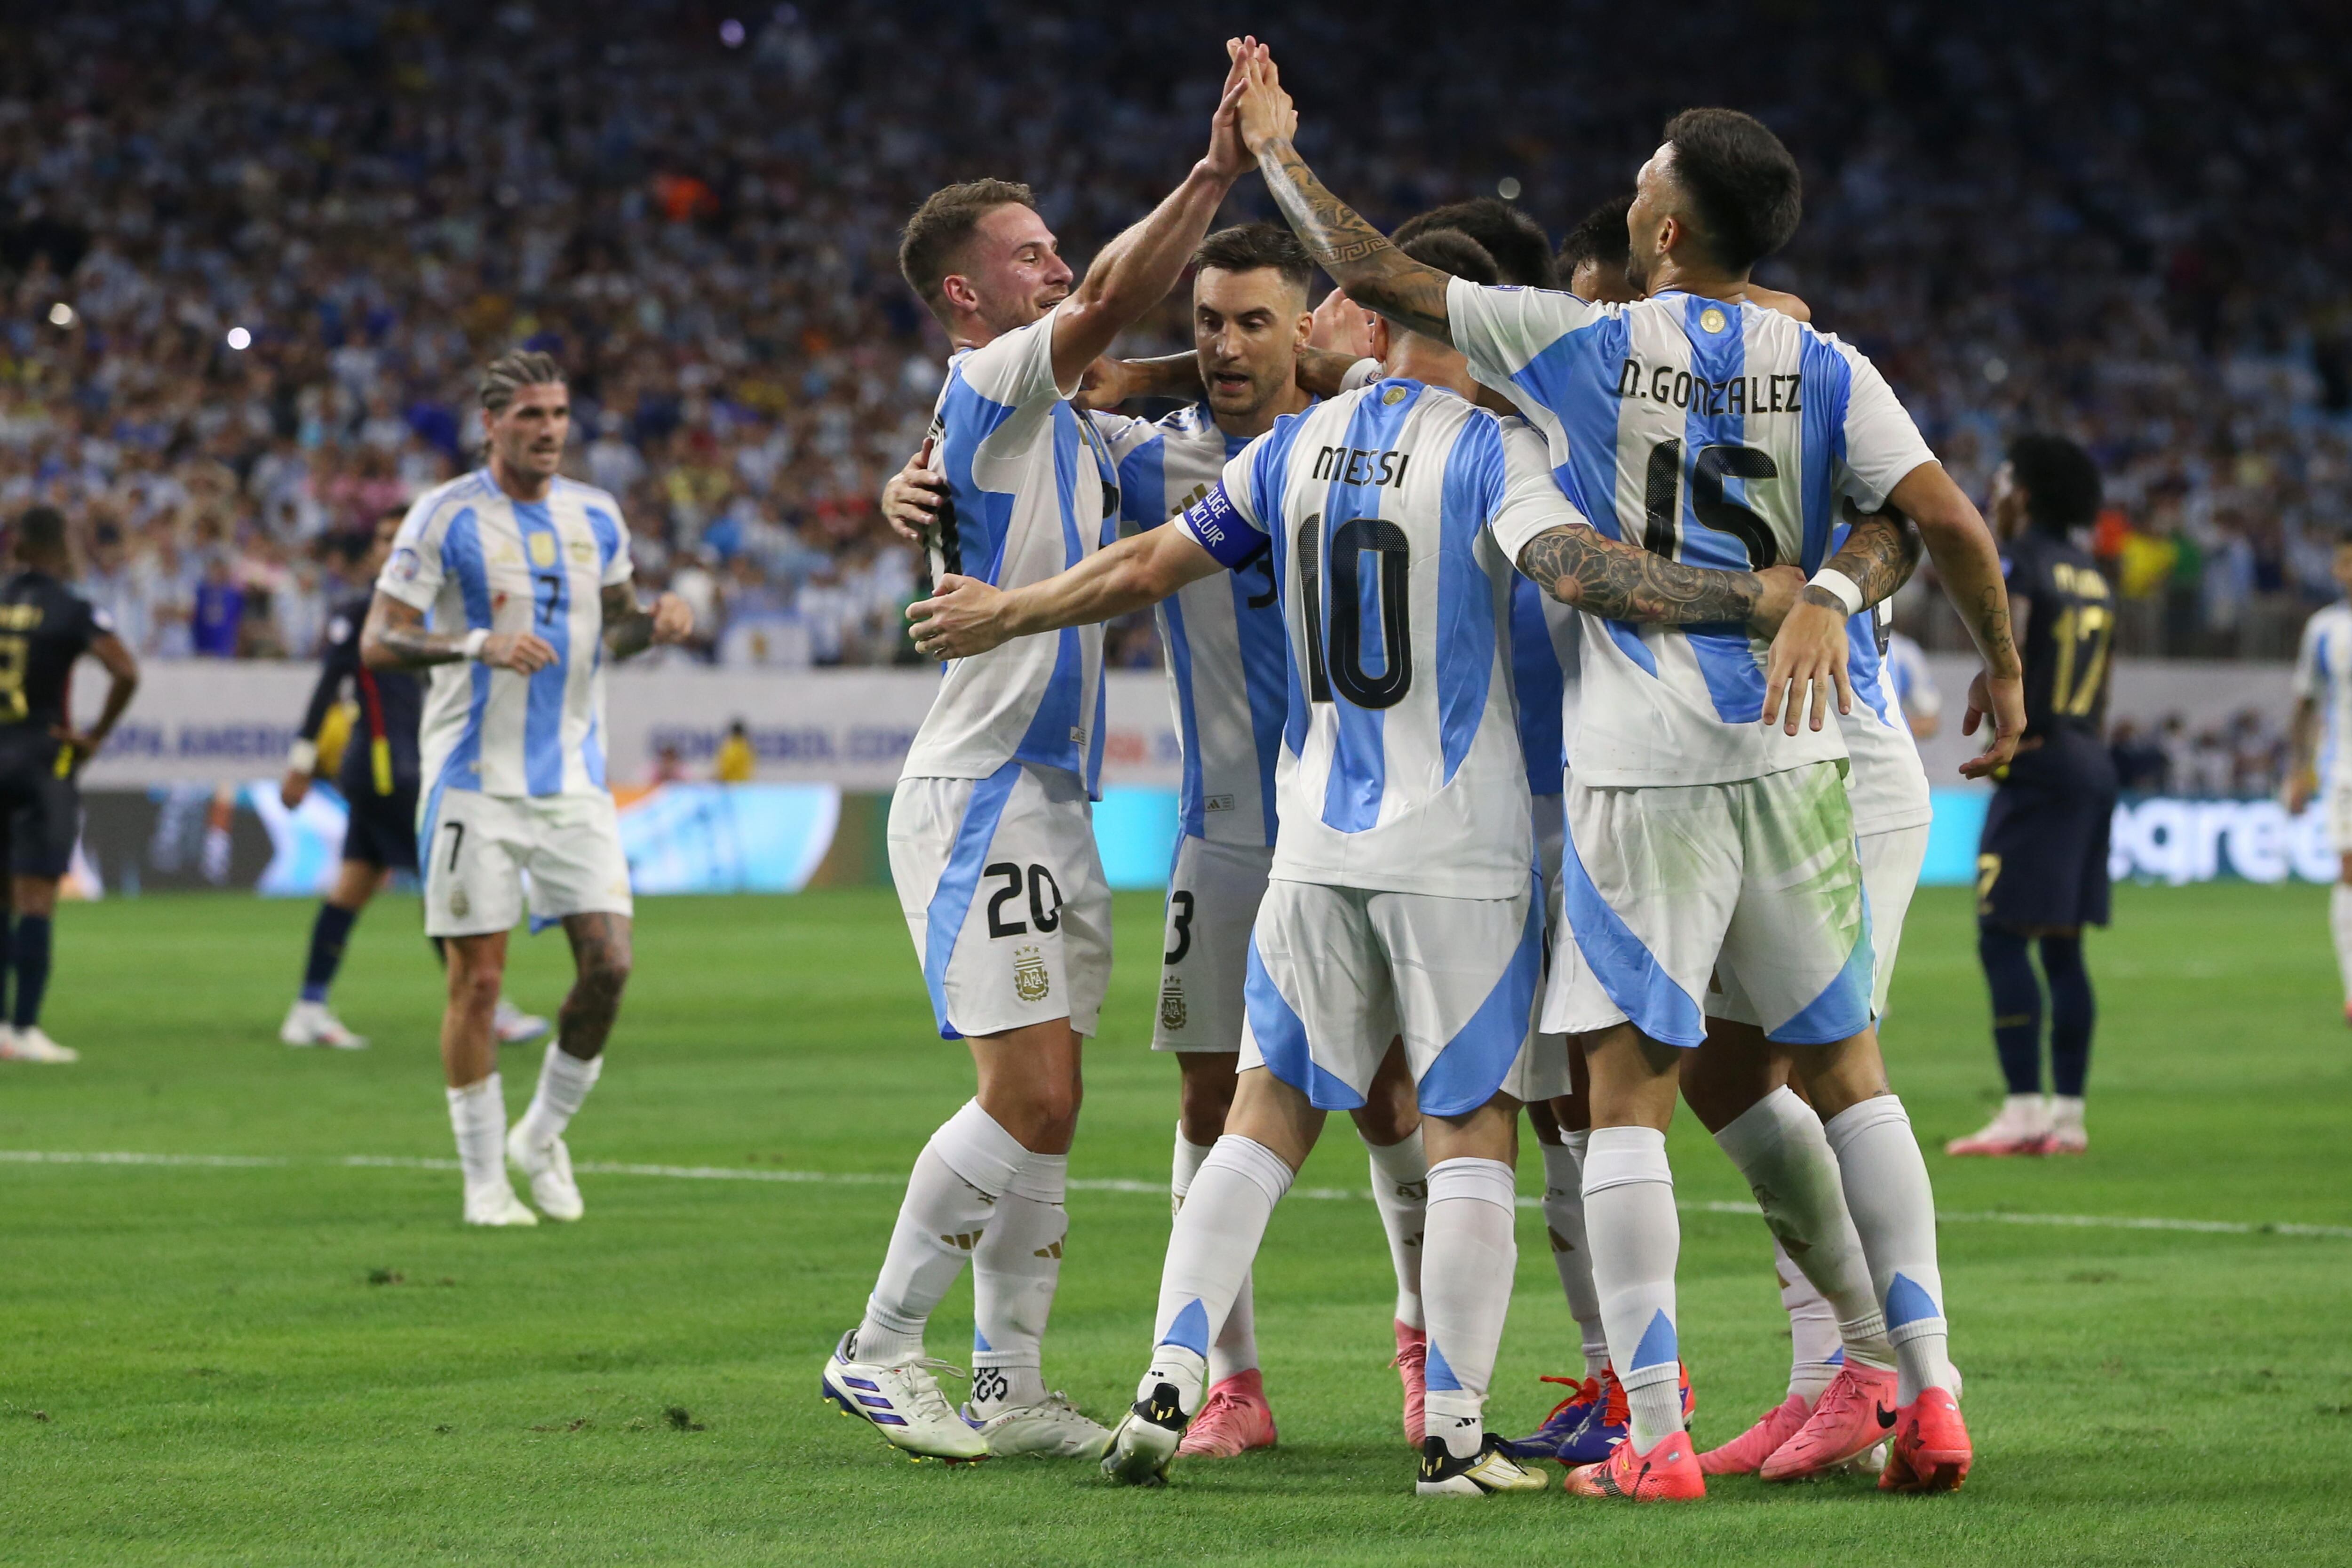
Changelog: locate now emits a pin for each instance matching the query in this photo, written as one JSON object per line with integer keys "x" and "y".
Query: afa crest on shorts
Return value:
{"x": 1172, "y": 1005}
{"x": 1030, "y": 980}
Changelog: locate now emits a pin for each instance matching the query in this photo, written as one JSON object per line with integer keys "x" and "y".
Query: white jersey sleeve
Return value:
{"x": 1881, "y": 443}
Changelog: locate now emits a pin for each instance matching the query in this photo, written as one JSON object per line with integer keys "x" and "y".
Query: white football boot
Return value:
{"x": 32, "y": 1046}
{"x": 1052, "y": 1428}
{"x": 549, "y": 1169}
{"x": 494, "y": 1203}
{"x": 310, "y": 1024}
{"x": 512, "y": 1026}
{"x": 903, "y": 1402}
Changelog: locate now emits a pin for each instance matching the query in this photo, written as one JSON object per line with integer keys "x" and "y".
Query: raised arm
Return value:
{"x": 1108, "y": 382}
{"x": 1135, "y": 271}
{"x": 1359, "y": 259}
{"x": 966, "y": 616}
{"x": 1620, "y": 581}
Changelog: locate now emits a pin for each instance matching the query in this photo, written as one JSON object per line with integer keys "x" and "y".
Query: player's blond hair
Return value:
{"x": 514, "y": 369}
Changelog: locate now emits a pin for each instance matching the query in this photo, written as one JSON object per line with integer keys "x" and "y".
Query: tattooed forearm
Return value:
{"x": 1619, "y": 583}
{"x": 396, "y": 637}
{"x": 628, "y": 627}
{"x": 1879, "y": 555}
{"x": 1376, "y": 274}
{"x": 1990, "y": 624}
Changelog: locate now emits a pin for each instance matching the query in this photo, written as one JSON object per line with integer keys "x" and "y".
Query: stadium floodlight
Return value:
{"x": 62, "y": 314}
{"x": 239, "y": 339}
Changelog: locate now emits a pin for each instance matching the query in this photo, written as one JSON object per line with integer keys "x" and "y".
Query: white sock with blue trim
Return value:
{"x": 1894, "y": 1207}
{"x": 1636, "y": 1236}
{"x": 1015, "y": 1270}
{"x": 1235, "y": 1350}
{"x": 1468, "y": 1260}
{"x": 1210, "y": 1250}
{"x": 952, "y": 1195}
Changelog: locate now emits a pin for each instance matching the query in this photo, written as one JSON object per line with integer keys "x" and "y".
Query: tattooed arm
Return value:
{"x": 1617, "y": 582}
{"x": 1879, "y": 555}
{"x": 630, "y": 628}
{"x": 1809, "y": 658}
{"x": 1108, "y": 382}
{"x": 1961, "y": 546}
{"x": 1359, "y": 259}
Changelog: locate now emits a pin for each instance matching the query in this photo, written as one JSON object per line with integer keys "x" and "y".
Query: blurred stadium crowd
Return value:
{"x": 251, "y": 252}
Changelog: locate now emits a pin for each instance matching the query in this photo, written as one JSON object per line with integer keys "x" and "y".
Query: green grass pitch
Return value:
{"x": 309, "y": 1361}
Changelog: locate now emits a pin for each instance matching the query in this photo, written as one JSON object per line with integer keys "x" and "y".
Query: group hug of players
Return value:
{"x": 1536, "y": 755}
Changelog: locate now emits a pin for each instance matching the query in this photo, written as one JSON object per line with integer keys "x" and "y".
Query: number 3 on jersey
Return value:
{"x": 1341, "y": 665}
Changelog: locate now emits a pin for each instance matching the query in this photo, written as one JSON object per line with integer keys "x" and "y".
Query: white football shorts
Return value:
{"x": 1890, "y": 875}
{"x": 1542, "y": 1070}
{"x": 1213, "y": 892}
{"x": 478, "y": 849}
{"x": 1004, "y": 893}
{"x": 1335, "y": 974}
{"x": 1663, "y": 885}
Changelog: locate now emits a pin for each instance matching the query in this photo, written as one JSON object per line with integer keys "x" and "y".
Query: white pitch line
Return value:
{"x": 1103, "y": 1184}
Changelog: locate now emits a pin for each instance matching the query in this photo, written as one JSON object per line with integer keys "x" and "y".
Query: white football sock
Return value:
{"x": 1814, "y": 1351}
{"x": 2339, "y": 921}
{"x": 477, "y": 1114}
{"x": 1629, "y": 1216}
{"x": 1893, "y": 1209}
{"x": 564, "y": 1083}
{"x": 1235, "y": 1351}
{"x": 1563, "y": 1208}
{"x": 1014, "y": 1271}
{"x": 1778, "y": 1146}
{"x": 968, "y": 1164}
{"x": 1210, "y": 1250}
{"x": 1401, "y": 1192}
{"x": 1471, "y": 1255}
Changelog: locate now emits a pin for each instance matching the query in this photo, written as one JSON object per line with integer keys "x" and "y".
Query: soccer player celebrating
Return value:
{"x": 1717, "y": 432}
{"x": 511, "y": 584}
{"x": 2323, "y": 721}
{"x": 2042, "y": 865}
{"x": 377, "y": 776}
{"x": 45, "y": 626}
{"x": 992, "y": 842}
{"x": 1399, "y": 900}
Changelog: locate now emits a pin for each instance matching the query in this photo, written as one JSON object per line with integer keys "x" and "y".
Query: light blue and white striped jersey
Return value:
{"x": 1385, "y": 511}
{"x": 1031, "y": 492}
{"x": 1223, "y": 635}
{"x": 1718, "y": 434}
{"x": 1544, "y": 663}
{"x": 474, "y": 558}
{"x": 1887, "y": 784}
{"x": 2322, "y": 675}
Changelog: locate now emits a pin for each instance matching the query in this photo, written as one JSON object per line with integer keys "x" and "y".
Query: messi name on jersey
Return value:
{"x": 1665, "y": 383}
{"x": 1357, "y": 466}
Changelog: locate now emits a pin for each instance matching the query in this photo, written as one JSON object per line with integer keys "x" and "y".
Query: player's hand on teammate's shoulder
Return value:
{"x": 1265, "y": 110}
{"x": 673, "y": 619}
{"x": 522, "y": 652}
{"x": 1807, "y": 668}
{"x": 911, "y": 501}
{"x": 2001, "y": 699}
{"x": 1781, "y": 587}
{"x": 1339, "y": 325}
{"x": 1102, "y": 386}
{"x": 958, "y": 620}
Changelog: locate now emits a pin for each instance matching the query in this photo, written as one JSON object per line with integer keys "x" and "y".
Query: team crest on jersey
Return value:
{"x": 1392, "y": 397}
{"x": 1030, "y": 980}
{"x": 542, "y": 550}
{"x": 459, "y": 905}
{"x": 1172, "y": 1005}
{"x": 405, "y": 564}
{"x": 1711, "y": 319}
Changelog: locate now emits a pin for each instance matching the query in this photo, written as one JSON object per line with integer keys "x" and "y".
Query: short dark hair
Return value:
{"x": 1451, "y": 250}
{"x": 1742, "y": 181}
{"x": 2060, "y": 480}
{"x": 511, "y": 371}
{"x": 41, "y": 531}
{"x": 1599, "y": 237}
{"x": 1517, "y": 242}
{"x": 935, "y": 237}
{"x": 1252, "y": 247}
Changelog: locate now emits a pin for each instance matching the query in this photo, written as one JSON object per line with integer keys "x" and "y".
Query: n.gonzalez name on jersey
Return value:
{"x": 1031, "y": 492}
{"x": 1712, "y": 432}
{"x": 1400, "y": 767}
{"x": 1223, "y": 635}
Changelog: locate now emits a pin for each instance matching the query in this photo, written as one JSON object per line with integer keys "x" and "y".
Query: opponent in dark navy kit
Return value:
{"x": 2042, "y": 865}
{"x": 45, "y": 627}
{"x": 377, "y": 778}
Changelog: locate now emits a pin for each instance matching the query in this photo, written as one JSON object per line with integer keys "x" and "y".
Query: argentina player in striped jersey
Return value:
{"x": 991, "y": 836}
{"x": 511, "y": 584}
{"x": 1401, "y": 899}
{"x": 1679, "y": 739}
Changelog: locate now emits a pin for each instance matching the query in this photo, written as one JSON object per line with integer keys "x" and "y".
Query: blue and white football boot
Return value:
{"x": 903, "y": 1402}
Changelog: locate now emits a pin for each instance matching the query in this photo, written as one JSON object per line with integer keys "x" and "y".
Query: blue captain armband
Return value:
{"x": 1217, "y": 527}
